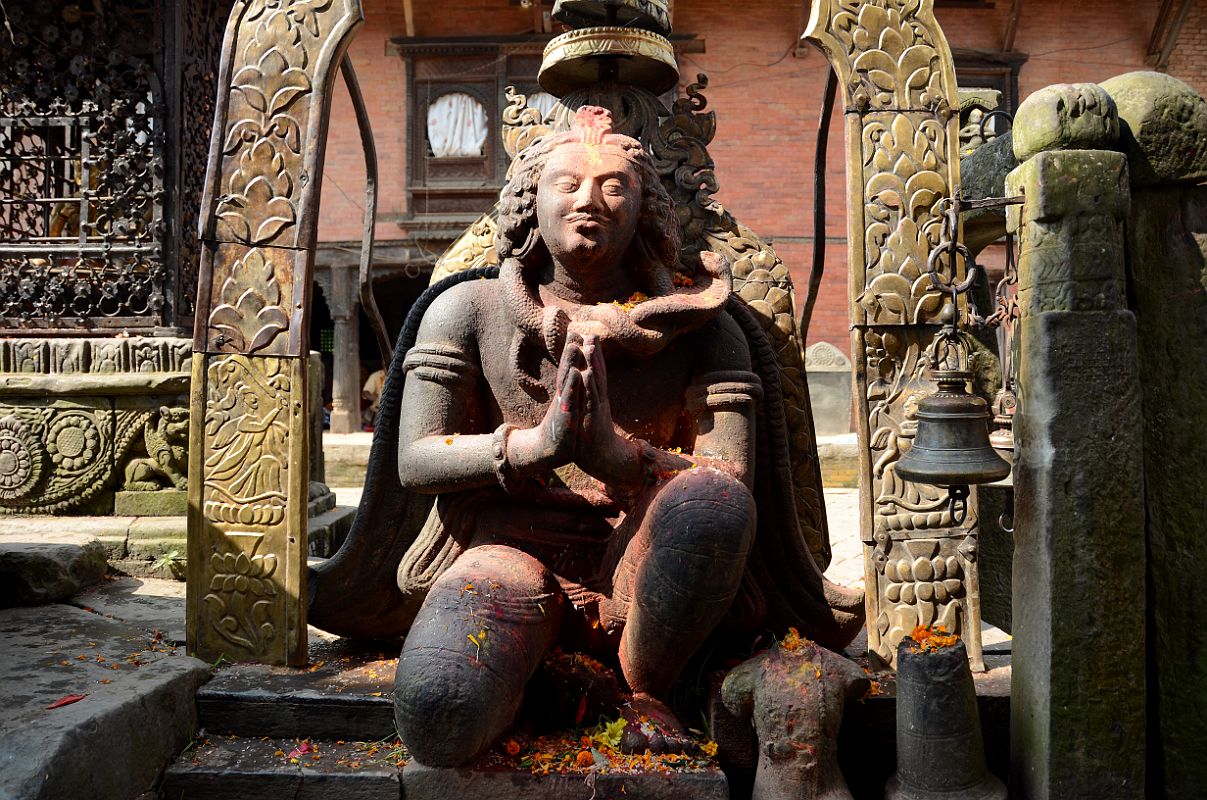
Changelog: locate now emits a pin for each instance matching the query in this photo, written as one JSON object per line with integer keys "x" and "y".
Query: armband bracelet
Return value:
{"x": 504, "y": 471}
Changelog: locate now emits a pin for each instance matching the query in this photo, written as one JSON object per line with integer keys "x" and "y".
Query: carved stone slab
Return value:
{"x": 902, "y": 113}
{"x": 250, "y": 398}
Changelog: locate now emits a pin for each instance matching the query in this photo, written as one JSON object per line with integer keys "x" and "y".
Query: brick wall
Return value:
{"x": 1189, "y": 60}
{"x": 766, "y": 99}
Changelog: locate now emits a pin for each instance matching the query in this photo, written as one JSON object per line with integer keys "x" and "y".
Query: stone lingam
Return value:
{"x": 590, "y": 423}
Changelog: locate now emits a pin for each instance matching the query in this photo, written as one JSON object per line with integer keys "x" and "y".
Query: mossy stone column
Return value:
{"x": 1078, "y": 684}
{"x": 1163, "y": 128}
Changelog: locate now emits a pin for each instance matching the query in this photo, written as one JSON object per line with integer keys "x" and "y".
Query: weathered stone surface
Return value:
{"x": 253, "y": 768}
{"x": 1079, "y": 721}
{"x": 151, "y": 604}
{"x": 1164, "y": 127}
{"x": 1168, "y": 263}
{"x": 36, "y": 570}
{"x": 982, "y": 175}
{"x": 163, "y": 503}
{"x": 794, "y": 693}
{"x": 431, "y": 783}
{"x": 1079, "y": 555}
{"x": 137, "y": 712}
{"x": 1073, "y": 264}
{"x": 1065, "y": 116}
{"x": 829, "y": 373}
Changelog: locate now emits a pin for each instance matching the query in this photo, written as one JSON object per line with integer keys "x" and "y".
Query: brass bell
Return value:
{"x": 951, "y": 447}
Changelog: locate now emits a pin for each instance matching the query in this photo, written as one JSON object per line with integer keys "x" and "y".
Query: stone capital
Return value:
{"x": 1065, "y": 116}
{"x": 1163, "y": 125}
{"x": 1067, "y": 183}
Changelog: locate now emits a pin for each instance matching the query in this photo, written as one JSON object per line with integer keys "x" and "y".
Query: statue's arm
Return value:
{"x": 721, "y": 401}
{"x": 442, "y": 445}
{"x": 444, "y": 441}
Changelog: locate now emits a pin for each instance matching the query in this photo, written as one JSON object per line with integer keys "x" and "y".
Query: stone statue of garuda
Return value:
{"x": 597, "y": 426}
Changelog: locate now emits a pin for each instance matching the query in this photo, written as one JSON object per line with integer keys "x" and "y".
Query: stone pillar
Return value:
{"x": 1078, "y": 682}
{"x": 345, "y": 377}
{"x": 1164, "y": 124}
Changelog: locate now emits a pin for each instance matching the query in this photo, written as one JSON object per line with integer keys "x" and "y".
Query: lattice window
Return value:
{"x": 82, "y": 142}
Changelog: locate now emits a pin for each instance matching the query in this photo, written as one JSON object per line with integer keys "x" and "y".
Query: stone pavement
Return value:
{"x": 95, "y": 696}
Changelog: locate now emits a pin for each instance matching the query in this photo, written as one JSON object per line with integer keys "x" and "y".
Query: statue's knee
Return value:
{"x": 444, "y": 706}
{"x": 705, "y": 511}
{"x": 477, "y": 639}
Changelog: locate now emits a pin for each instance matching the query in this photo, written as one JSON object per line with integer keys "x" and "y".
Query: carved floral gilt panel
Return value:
{"x": 261, "y": 197}
{"x": 252, "y": 559}
{"x": 903, "y": 164}
{"x": 247, "y": 525}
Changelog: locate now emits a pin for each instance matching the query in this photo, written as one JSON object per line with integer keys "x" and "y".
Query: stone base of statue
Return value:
{"x": 328, "y": 730}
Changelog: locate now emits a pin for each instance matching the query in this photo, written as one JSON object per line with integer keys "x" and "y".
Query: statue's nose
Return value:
{"x": 586, "y": 197}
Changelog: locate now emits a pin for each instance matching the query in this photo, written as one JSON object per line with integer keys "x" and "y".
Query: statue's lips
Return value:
{"x": 584, "y": 222}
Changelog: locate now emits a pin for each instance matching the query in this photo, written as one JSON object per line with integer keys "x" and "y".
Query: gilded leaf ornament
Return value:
{"x": 251, "y": 314}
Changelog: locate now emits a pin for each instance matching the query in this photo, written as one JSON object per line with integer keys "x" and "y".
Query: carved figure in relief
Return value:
{"x": 588, "y": 422}
{"x": 166, "y": 463}
{"x": 246, "y": 432}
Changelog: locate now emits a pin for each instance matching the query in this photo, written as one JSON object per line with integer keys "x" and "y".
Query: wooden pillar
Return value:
{"x": 248, "y": 448}
{"x": 902, "y": 146}
{"x": 345, "y": 378}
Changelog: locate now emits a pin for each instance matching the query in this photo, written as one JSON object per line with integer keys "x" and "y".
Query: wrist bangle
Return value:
{"x": 504, "y": 471}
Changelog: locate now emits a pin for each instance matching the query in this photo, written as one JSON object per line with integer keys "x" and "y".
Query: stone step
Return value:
{"x": 344, "y": 694}
{"x": 263, "y": 769}
{"x": 255, "y": 768}
{"x": 48, "y": 565}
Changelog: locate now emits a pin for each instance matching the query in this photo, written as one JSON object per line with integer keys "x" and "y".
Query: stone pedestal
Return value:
{"x": 829, "y": 374}
{"x": 1078, "y": 711}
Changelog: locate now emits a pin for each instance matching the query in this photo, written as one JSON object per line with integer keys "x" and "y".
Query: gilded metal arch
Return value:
{"x": 898, "y": 85}
{"x": 249, "y": 431}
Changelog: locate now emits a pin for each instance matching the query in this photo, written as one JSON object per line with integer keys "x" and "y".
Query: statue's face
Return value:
{"x": 587, "y": 205}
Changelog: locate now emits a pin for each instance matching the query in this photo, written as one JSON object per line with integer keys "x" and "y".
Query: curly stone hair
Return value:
{"x": 654, "y": 251}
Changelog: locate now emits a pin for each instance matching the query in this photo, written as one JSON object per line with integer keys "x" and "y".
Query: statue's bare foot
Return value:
{"x": 650, "y": 724}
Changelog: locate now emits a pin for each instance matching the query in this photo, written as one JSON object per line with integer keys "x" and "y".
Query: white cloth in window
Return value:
{"x": 542, "y": 102}
{"x": 456, "y": 126}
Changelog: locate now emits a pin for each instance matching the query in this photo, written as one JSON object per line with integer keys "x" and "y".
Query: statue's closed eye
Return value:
{"x": 566, "y": 184}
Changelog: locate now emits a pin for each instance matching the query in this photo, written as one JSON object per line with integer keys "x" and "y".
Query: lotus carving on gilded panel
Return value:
{"x": 259, "y": 203}
{"x": 903, "y": 210}
{"x": 250, "y": 315}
